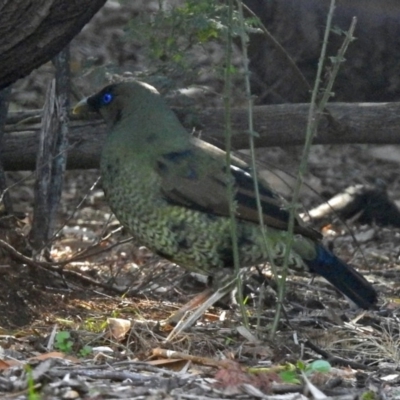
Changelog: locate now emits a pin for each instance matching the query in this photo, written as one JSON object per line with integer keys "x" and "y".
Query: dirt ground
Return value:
{"x": 127, "y": 282}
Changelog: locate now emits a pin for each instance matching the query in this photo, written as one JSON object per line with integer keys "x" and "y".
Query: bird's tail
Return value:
{"x": 343, "y": 277}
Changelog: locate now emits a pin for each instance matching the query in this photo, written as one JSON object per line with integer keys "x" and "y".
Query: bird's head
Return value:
{"x": 115, "y": 100}
{"x": 137, "y": 117}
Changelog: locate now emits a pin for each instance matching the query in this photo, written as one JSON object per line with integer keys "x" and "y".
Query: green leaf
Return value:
{"x": 289, "y": 377}
{"x": 319, "y": 366}
{"x": 301, "y": 365}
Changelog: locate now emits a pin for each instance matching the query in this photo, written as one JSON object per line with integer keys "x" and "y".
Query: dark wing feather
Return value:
{"x": 197, "y": 178}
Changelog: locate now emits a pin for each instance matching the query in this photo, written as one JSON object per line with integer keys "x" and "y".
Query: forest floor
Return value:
{"x": 116, "y": 295}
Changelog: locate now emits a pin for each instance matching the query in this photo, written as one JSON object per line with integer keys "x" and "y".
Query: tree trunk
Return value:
{"x": 33, "y": 32}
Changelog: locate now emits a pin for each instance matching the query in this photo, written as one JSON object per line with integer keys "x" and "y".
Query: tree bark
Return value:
{"x": 5, "y": 199}
{"x": 33, "y": 32}
{"x": 278, "y": 125}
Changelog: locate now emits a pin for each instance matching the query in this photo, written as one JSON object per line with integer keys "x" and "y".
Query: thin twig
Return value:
{"x": 335, "y": 360}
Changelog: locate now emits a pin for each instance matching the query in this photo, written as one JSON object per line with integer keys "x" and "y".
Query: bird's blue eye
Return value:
{"x": 107, "y": 98}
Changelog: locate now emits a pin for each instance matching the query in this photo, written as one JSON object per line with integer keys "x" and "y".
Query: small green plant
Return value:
{"x": 370, "y": 395}
{"x": 229, "y": 341}
{"x": 95, "y": 325}
{"x": 85, "y": 351}
{"x": 293, "y": 373}
{"x": 64, "y": 342}
{"x": 32, "y": 394}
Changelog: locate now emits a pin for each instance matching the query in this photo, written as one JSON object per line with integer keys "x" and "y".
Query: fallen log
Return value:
{"x": 275, "y": 125}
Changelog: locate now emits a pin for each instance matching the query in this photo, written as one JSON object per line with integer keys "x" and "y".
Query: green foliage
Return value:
{"x": 171, "y": 33}
{"x": 32, "y": 395}
{"x": 321, "y": 366}
{"x": 65, "y": 343}
{"x": 229, "y": 341}
{"x": 370, "y": 395}
{"x": 95, "y": 324}
{"x": 85, "y": 351}
{"x": 293, "y": 372}
{"x": 290, "y": 376}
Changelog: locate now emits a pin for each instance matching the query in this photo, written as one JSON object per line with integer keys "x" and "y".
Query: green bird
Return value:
{"x": 169, "y": 190}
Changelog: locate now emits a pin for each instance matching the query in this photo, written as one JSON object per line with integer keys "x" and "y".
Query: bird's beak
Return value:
{"x": 81, "y": 108}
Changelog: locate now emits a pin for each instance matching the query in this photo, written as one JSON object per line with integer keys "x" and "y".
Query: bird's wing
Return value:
{"x": 196, "y": 178}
